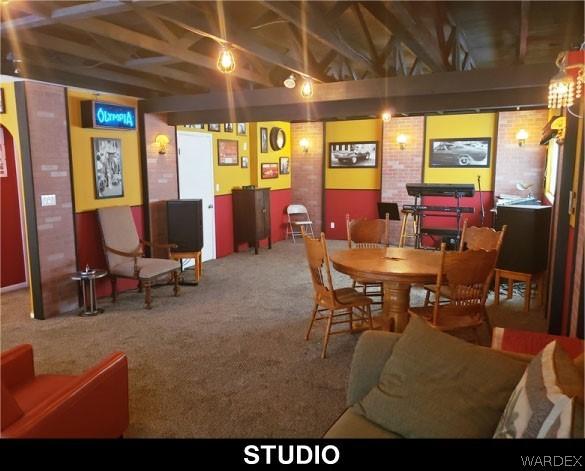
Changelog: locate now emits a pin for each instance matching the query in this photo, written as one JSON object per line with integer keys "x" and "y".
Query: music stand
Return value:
{"x": 391, "y": 209}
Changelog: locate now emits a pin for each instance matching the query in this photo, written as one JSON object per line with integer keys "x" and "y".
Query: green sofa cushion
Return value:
{"x": 352, "y": 425}
{"x": 437, "y": 386}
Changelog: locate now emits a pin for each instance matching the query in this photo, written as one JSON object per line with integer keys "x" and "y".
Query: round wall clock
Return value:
{"x": 277, "y": 138}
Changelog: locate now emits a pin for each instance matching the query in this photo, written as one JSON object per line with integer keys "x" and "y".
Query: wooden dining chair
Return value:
{"x": 468, "y": 275}
{"x": 368, "y": 234}
{"x": 354, "y": 306}
{"x": 472, "y": 238}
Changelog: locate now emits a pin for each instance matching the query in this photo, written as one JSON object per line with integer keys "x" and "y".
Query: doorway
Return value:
{"x": 196, "y": 181}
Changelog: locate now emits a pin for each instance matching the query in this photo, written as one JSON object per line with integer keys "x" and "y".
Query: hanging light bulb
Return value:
{"x": 307, "y": 88}
{"x": 386, "y": 116}
{"x": 563, "y": 87}
{"x": 226, "y": 63}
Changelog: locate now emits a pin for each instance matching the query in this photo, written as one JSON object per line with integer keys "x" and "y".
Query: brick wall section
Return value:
{"x": 524, "y": 164}
{"x": 49, "y": 153}
{"x": 401, "y": 166}
{"x": 162, "y": 177}
{"x": 307, "y": 170}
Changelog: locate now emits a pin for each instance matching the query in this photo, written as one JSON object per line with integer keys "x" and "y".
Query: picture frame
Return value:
{"x": 227, "y": 152}
{"x": 228, "y": 127}
{"x": 2, "y": 106}
{"x": 241, "y": 129}
{"x": 462, "y": 152}
{"x": 244, "y": 162}
{"x": 213, "y": 127}
{"x": 283, "y": 166}
{"x": 269, "y": 170}
{"x": 263, "y": 140}
{"x": 195, "y": 126}
{"x": 355, "y": 154}
{"x": 3, "y": 162}
{"x": 107, "y": 167}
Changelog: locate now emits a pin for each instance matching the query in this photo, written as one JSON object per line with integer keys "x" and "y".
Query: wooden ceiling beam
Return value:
{"x": 441, "y": 83}
{"x": 317, "y": 25}
{"x": 523, "y": 34}
{"x": 118, "y": 33}
{"x": 366, "y": 30}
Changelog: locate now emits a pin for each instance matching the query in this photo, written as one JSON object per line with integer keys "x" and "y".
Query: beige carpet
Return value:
{"x": 225, "y": 359}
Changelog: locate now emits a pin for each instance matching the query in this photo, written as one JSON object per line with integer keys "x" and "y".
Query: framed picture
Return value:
{"x": 269, "y": 170}
{"x": 227, "y": 152}
{"x": 460, "y": 152}
{"x": 353, "y": 154}
{"x": 213, "y": 127}
{"x": 228, "y": 127}
{"x": 194, "y": 126}
{"x": 283, "y": 164}
{"x": 107, "y": 167}
{"x": 3, "y": 164}
{"x": 2, "y": 108}
{"x": 241, "y": 128}
{"x": 244, "y": 163}
{"x": 264, "y": 140}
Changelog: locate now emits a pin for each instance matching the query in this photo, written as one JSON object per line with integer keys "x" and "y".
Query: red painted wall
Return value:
{"x": 472, "y": 219}
{"x": 12, "y": 270}
{"x": 279, "y": 200}
{"x": 356, "y": 203}
{"x": 90, "y": 251}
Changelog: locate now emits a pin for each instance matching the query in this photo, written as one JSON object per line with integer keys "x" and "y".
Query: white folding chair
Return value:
{"x": 298, "y": 217}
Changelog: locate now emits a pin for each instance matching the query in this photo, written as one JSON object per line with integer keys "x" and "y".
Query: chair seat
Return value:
{"x": 351, "y": 296}
{"x": 445, "y": 290}
{"x": 34, "y": 392}
{"x": 149, "y": 268}
{"x": 452, "y": 317}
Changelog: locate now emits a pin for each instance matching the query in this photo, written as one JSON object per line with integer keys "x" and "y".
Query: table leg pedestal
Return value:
{"x": 396, "y": 303}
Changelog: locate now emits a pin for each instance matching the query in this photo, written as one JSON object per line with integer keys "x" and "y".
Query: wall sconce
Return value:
{"x": 162, "y": 141}
{"x": 521, "y": 136}
{"x": 304, "y": 143}
{"x": 401, "y": 140}
{"x": 386, "y": 116}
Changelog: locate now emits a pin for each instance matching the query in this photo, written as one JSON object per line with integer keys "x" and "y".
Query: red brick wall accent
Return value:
{"x": 401, "y": 166}
{"x": 307, "y": 170}
{"x": 578, "y": 280}
{"x": 524, "y": 164}
{"x": 162, "y": 177}
{"x": 49, "y": 153}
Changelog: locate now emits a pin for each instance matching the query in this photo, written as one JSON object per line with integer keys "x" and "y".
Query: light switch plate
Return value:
{"x": 48, "y": 200}
{"x": 217, "y": 187}
{"x": 332, "y": 225}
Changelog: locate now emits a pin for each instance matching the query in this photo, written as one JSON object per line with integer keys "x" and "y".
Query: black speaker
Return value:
{"x": 185, "y": 225}
{"x": 525, "y": 245}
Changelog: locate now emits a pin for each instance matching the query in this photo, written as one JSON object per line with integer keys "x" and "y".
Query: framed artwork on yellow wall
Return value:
{"x": 264, "y": 140}
{"x": 353, "y": 154}
{"x": 244, "y": 162}
{"x": 241, "y": 129}
{"x": 107, "y": 167}
{"x": 460, "y": 152}
{"x": 213, "y": 127}
{"x": 228, "y": 127}
{"x": 284, "y": 166}
{"x": 227, "y": 152}
{"x": 269, "y": 170}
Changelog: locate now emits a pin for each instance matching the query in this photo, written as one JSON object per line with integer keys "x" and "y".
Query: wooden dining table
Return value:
{"x": 398, "y": 269}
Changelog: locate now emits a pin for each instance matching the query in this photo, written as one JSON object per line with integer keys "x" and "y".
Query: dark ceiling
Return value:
{"x": 150, "y": 48}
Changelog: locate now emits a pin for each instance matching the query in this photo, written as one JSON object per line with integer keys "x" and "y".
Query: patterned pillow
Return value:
{"x": 542, "y": 404}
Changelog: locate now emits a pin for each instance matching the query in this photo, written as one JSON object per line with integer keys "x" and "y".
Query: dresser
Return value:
{"x": 251, "y": 208}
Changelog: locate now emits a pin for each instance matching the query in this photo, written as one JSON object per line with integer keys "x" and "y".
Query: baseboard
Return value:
{"x": 15, "y": 287}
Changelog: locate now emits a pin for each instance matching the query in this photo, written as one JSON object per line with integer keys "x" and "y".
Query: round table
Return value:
{"x": 87, "y": 279}
{"x": 397, "y": 268}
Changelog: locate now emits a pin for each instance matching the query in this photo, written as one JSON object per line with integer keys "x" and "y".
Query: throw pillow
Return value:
{"x": 543, "y": 403}
{"x": 437, "y": 386}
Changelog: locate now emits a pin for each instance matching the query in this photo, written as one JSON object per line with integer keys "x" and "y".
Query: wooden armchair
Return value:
{"x": 124, "y": 252}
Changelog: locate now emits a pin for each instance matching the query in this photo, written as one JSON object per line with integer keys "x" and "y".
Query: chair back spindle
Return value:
{"x": 367, "y": 233}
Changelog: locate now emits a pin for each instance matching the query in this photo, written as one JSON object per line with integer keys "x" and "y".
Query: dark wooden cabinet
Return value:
{"x": 251, "y": 217}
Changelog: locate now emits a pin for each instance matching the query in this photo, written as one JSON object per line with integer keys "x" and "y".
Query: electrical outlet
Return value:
{"x": 48, "y": 200}
{"x": 217, "y": 187}
{"x": 332, "y": 225}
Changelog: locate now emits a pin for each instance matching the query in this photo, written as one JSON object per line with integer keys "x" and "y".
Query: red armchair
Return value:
{"x": 91, "y": 405}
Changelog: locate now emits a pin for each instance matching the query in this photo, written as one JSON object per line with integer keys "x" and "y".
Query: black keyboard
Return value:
{"x": 442, "y": 209}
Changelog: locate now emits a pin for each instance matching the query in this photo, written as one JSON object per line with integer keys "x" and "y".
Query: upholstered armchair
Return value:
{"x": 124, "y": 252}
{"x": 91, "y": 405}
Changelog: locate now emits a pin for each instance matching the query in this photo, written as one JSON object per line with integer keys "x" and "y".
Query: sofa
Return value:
{"x": 372, "y": 353}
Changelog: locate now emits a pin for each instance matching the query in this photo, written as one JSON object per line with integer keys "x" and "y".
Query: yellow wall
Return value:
{"x": 272, "y": 156}
{"x": 228, "y": 176}
{"x": 82, "y": 156}
{"x": 8, "y": 119}
{"x": 462, "y": 125}
{"x": 353, "y": 131}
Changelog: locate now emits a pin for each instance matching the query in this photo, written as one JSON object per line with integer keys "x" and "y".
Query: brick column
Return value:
{"x": 307, "y": 170}
{"x": 401, "y": 166}
{"x": 524, "y": 164}
{"x": 162, "y": 177}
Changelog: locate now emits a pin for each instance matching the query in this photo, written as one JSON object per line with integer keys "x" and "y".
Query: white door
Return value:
{"x": 195, "y": 168}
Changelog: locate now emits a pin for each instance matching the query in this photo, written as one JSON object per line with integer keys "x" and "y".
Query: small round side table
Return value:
{"x": 87, "y": 280}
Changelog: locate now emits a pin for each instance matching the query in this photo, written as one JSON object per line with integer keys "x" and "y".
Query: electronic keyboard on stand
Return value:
{"x": 419, "y": 210}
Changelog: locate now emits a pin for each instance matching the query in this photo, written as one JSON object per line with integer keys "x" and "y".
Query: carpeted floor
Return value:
{"x": 225, "y": 359}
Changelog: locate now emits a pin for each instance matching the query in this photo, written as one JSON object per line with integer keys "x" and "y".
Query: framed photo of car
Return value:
{"x": 363, "y": 154}
{"x": 460, "y": 152}
{"x": 107, "y": 167}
